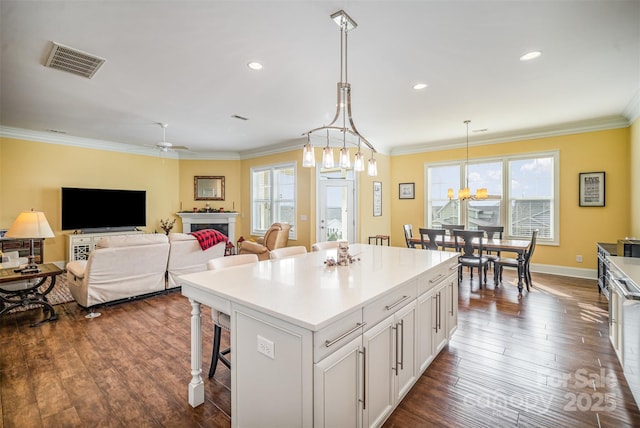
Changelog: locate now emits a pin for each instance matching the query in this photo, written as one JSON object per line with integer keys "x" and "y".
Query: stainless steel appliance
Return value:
{"x": 628, "y": 247}
{"x": 624, "y": 317}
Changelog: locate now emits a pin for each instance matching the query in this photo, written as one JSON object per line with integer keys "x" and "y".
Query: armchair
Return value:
{"x": 277, "y": 236}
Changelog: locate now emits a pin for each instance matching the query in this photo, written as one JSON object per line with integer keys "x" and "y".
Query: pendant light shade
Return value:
{"x": 465, "y": 193}
{"x": 342, "y": 121}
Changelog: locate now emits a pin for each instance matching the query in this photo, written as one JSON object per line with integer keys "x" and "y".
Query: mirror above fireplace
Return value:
{"x": 208, "y": 188}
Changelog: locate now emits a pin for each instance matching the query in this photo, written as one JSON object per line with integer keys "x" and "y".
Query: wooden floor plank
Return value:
{"x": 512, "y": 362}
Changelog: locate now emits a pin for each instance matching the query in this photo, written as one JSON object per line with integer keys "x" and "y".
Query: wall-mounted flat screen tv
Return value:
{"x": 103, "y": 208}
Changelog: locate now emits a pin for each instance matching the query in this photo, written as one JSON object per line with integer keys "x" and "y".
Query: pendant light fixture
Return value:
{"x": 343, "y": 114}
{"x": 465, "y": 193}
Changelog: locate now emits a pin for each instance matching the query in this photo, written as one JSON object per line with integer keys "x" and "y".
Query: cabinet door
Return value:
{"x": 425, "y": 331}
{"x": 379, "y": 348}
{"x": 405, "y": 355}
{"x": 615, "y": 322}
{"x": 452, "y": 304}
{"x": 439, "y": 318}
{"x": 337, "y": 392}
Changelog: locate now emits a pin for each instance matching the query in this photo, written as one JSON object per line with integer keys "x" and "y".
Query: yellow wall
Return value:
{"x": 229, "y": 169}
{"x": 32, "y": 174}
{"x": 580, "y": 227}
{"x": 635, "y": 179}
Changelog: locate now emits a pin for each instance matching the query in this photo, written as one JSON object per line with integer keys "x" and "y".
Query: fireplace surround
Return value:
{"x": 222, "y": 222}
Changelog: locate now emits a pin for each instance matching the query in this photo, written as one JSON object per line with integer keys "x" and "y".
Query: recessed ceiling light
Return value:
{"x": 419, "y": 86}
{"x": 255, "y": 66}
{"x": 530, "y": 55}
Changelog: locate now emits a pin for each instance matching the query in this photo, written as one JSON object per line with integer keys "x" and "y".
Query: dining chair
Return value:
{"x": 432, "y": 242}
{"x": 501, "y": 262}
{"x": 451, "y": 227}
{"x": 324, "y": 245}
{"x": 283, "y": 253}
{"x": 408, "y": 234}
{"x": 492, "y": 232}
{"x": 220, "y": 319}
{"x": 470, "y": 244}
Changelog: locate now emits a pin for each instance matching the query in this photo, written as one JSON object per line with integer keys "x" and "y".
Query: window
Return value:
{"x": 522, "y": 195}
{"x": 273, "y": 197}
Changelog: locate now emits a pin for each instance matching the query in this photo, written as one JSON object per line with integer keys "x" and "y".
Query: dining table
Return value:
{"x": 517, "y": 246}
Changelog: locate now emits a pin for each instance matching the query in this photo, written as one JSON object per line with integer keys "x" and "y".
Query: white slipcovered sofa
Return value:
{"x": 186, "y": 256}
{"x": 128, "y": 266}
{"x": 120, "y": 267}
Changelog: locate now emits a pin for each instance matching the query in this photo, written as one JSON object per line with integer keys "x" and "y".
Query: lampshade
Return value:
{"x": 29, "y": 225}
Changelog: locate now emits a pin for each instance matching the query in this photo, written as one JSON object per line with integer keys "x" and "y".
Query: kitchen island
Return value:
{"x": 318, "y": 345}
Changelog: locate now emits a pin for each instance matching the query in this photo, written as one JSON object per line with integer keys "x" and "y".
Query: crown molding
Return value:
{"x": 90, "y": 143}
{"x": 600, "y": 124}
{"x": 632, "y": 111}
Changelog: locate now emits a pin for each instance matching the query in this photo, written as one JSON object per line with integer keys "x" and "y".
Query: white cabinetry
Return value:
{"x": 437, "y": 314}
{"x": 616, "y": 323}
{"x": 361, "y": 382}
{"x": 337, "y": 387}
{"x": 80, "y": 245}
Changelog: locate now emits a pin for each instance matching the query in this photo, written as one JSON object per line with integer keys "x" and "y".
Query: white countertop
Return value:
{"x": 304, "y": 291}
{"x": 630, "y": 266}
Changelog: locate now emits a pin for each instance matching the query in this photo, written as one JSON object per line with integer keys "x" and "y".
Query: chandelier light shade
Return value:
{"x": 342, "y": 123}
{"x": 465, "y": 194}
{"x": 30, "y": 225}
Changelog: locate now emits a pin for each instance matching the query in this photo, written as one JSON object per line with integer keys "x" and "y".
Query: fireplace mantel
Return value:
{"x": 210, "y": 218}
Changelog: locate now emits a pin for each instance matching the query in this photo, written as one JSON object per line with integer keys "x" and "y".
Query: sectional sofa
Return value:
{"x": 128, "y": 266}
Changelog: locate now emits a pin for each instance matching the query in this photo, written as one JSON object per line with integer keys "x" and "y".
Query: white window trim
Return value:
{"x": 504, "y": 210}
{"x": 293, "y": 232}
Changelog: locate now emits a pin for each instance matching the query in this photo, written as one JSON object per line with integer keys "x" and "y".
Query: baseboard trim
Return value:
{"x": 565, "y": 271}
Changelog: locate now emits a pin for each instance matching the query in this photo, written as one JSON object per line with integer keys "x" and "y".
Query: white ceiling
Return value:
{"x": 184, "y": 63}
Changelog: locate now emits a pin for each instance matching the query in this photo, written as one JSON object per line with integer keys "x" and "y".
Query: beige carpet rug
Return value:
{"x": 60, "y": 294}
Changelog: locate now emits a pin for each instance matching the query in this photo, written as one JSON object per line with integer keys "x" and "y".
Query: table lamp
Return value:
{"x": 30, "y": 225}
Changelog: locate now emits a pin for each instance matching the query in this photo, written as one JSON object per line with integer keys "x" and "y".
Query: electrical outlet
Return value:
{"x": 579, "y": 258}
{"x": 266, "y": 347}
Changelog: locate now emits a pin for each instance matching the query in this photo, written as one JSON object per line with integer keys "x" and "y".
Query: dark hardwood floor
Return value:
{"x": 540, "y": 361}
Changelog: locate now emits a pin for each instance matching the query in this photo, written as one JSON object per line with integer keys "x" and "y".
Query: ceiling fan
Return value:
{"x": 164, "y": 145}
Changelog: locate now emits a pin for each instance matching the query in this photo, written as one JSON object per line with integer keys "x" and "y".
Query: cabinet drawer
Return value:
{"x": 334, "y": 336}
{"x": 381, "y": 308}
{"x": 81, "y": 240}
{"x": 435, "y": 276}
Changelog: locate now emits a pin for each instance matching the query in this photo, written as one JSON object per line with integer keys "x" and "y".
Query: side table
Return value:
{"x": 18, "y": 289}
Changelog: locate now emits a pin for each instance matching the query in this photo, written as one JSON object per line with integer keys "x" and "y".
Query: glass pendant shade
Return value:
{"x": 464, "y": 193}
{"x": 345, "y": 161}
{"x": 372, "y": 170}
{"x": 308, "y": 156}
{"x": 358, "y": 161}
{"x": 327, "y": 157}
{"x": 482, "y": 193}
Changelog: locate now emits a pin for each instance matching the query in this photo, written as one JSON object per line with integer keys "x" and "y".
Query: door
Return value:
{"x": 336, "y": 209}
{"x": 378, "y": 397}
{"x": 405, "y": 356}
{"x": 337, "y": 380}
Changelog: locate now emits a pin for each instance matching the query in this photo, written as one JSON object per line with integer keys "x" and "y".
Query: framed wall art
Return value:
{"x": 377, "y": 198}
{"x": 407, "y": 191}
{"x": 592, "y": 189}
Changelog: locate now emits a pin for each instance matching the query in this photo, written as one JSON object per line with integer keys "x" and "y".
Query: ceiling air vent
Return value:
{"x": 74, "y": 61}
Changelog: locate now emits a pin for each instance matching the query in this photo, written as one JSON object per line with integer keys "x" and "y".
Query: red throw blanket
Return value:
{"x": 207, "y": 238}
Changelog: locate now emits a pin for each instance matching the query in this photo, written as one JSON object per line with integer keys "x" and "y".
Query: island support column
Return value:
{"x": 196, "y": 386}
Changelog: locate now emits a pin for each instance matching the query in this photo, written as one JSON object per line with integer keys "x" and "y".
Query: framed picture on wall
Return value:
{"x": 377, "y": 198}
{"x": 592, "y": 189}
{"x": 407, "y": 191}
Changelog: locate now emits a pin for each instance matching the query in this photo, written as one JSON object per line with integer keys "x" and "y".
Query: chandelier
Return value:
{"x": 464, "y": 194}
{"x": 342, "y": 123}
